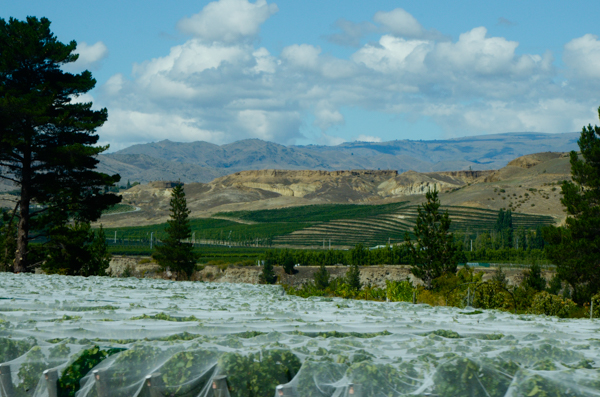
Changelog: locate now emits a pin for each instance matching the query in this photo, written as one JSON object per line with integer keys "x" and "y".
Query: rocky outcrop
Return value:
{"x": 375, "y": 276}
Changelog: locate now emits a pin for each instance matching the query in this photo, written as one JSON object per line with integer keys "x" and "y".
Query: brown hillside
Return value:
{"x": 529, "y": 184}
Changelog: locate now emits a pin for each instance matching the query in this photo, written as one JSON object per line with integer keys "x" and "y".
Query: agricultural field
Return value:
{"x": 119, "y": 209}
{"x": 318, "y": 226}
{"x": 101, "y": 336}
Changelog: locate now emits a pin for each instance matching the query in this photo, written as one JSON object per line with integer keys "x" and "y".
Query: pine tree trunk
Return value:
{"x": 23, "y": 230}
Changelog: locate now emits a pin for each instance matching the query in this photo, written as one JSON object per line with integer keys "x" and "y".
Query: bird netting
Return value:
{"x": 100, "y": 337}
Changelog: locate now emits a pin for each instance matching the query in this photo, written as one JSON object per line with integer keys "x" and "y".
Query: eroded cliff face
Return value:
{"x": 348, "y": 186}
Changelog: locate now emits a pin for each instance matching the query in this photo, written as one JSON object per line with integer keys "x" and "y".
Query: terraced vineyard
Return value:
{"x": 317, "y": 226}
{"x": 379, "y": 229}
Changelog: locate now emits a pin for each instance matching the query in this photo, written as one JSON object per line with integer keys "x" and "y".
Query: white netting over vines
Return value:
{"x": 128, "y": 337}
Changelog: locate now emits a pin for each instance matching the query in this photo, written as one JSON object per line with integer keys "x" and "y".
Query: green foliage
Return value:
{"x": 533, "y": 278}
{"x": 435, "y": 251}
{"x": 555, "y": 285}
{"x": 287, "y": 262}
{"x": 118, "y": 209}
{"x": 399, "y": 291}
{"x": 322, "y": 277}
{"x": 499, "y": 277}
{"x": 13, "y": 348}
{"x": 174, "y": 253}
{"x": 8, "y": 239}
{"x": 551, "y": 305}
{"x": 315, "y": 213}
{"x": 29, "y": 372}
{"x": 359, "y": 255}
{"x": 352, "y": 279}
{"x": 377, "y": 378}
{"x": 492, "y": 295}
{"x": 268, "y": 274}
{"x": 69, "y": 382}
{"x": 182, "y": 367}
{"x": 257, "y": 375}
{"x": 213, "y": 230}
{"x": 75, "y": 249}
{"x": 316, "y": 379}
{"x": 48, "y": 145}
{"x": 466, "y": 377}
{"x": 575, "y": 249}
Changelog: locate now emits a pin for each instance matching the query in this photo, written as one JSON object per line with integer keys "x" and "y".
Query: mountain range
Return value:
{"x": 203, "y": 161}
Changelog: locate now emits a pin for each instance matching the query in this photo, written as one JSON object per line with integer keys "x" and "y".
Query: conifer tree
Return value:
{"x": 268, "y": 274}
{"x": 48, "y": 145}
{"x": 353, "y": 277}
{"x": 287, "y": 261}
{"x": 322, "y": 277}
{"x": 575, "y": 248}
{"x": 534, "y": 279}
{"x": 434, "y": 252}
{"x": 174, "y": 253}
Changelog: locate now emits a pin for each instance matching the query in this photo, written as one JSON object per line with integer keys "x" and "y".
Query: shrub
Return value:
{"x": 491, "y": 295}
{"x": 399, "y": 291}
{"x": 551, "y": 305}
{"x": 596, "y": 300}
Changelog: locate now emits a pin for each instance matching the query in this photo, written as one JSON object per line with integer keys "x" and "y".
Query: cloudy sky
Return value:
{"x": 325, "y": 72}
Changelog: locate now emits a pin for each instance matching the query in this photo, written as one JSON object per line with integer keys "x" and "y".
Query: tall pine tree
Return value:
{"x": 175, "y": 254}
{"x": 575, "y": 248}
{"x": 48, "y": 145}
{"x": 434, "y": 252}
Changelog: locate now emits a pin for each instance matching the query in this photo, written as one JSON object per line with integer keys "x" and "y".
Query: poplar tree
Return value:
{"x": 575, "y": 248}
{"x": 175, "y": 254}
{"x": 434, "y": 253}
{"x": 48, "y": 145}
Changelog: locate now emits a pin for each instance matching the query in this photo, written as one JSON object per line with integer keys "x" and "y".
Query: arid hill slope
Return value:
{"x": 529, "y": 184}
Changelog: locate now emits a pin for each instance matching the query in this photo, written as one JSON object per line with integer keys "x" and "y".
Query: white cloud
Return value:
{"x": 327, "y": 116}
{"x": 302, "y": 56}
{"x": 582, "y": 56}
{"x": 225, "y": 88}
{"x": 128, "y": 127}
{"x": 368, "y": 138}
{"x": 90, "y": 56}
{"x": 394, "y": 54}
{"x": 268, "y": 125}
{"x": 399, "y": 22}
{"x": 228, "y": 21}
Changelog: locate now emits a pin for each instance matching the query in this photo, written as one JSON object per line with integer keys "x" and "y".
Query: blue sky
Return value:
{"x": 324, "y": 72}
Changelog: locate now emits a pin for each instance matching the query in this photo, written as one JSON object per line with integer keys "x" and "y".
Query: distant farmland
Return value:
{"x": 313, "y": 226}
